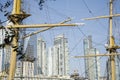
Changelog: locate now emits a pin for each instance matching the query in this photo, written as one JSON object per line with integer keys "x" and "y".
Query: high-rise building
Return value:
{"x": 7, "y": 48}
{"x": 28, "y": 70}
{"x": 60, "y": 56}
{"x": 4, "y": 53}
{"x": 1, "y": 62}
{"x": 31, "y": 46}
{"x": 41, "y": 57}
{"x": 49, "y": 60}
{"x": 87, "y": 45}
{"x": 92, "y": 65}
{"x": 1, "y": 51}
{"x": 19, "y": 63}
{"x": 19, "y": 71}
{"x": 28, "y": 61}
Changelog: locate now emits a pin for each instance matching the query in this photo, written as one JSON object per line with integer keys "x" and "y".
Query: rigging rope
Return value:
{"x": 92, "y": 65}
{"x": 91, "y": 12}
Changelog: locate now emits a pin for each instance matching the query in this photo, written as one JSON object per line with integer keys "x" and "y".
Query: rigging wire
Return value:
{"x": 87, "y": 7}
{"x": 1, "y": 22}
{"x": 92, "y": 65}
{"x": 86, "y": 36}
{"x": 61, "y": 15}
{"x": 94, "y": 43}
{"x": 116, "y": 21}
{"x": 48, "y": 17}
{"x": 5, "y": 6}
{"x": 105, "y": 72}
{"x": 74, "y": 47}
{"x": 90, "y": 11}
{"x": 54, "y": 10}
{"x": 58, "y": 12}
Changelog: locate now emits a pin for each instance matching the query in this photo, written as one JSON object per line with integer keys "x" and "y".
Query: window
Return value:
{"x": 60, "y": 56}
{"x": 61, "y": 69}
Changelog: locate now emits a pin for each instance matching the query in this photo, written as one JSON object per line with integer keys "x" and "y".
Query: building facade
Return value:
{"x": 60, "y": 57}
{"x": 1, "y": 55}
{"x": 92, "y": 65}
{"x": 1, "y": 51}
{"x": 19, "y": 71}
{"x": 28, "y": 63}
{"x": 41, "y": 60}
{"x": 28, "y": 70}
{"x": 4, "y": 53}
{"x": 49, "y": 60}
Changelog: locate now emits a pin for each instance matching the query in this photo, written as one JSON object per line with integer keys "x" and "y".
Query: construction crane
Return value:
{"x": 16, "y": 17}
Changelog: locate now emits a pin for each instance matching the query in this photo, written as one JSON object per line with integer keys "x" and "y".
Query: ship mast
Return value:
{"x": 16, "y": 18}
{"x": 112, "y": 47}
{"x": 13, "y": 17}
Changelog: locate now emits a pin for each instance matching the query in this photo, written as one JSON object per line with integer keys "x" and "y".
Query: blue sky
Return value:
{"x": 60, "y": 10}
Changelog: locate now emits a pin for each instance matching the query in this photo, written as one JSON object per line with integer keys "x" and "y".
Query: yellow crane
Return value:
{"x": 16, "y": 18}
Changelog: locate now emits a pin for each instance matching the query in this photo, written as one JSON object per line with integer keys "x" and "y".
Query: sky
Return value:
{"x": 58, "y": 11}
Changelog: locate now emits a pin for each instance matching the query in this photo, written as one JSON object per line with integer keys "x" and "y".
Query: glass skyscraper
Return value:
{"x": 92, "y": 65}
{"x": 41, "y": 60}
{"x": 60, "y": 56}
